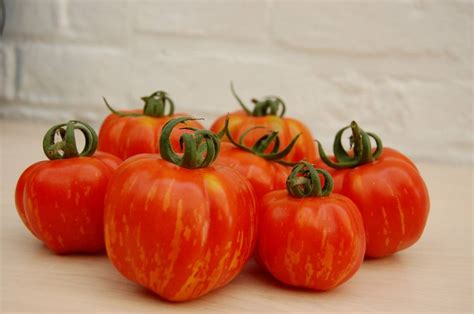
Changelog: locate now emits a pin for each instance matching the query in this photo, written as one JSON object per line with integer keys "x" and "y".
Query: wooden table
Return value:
{"x": 435, "y": 275}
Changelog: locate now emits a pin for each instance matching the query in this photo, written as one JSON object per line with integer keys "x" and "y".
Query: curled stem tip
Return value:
{"x": 155, "y": 106}
{"x": 200, "y": 148}
{"x": 222, "y": 132}
{"x": 304, "y": 181}
{"x": 359, "y": 142}
{"x": 270, "y": 105}
{"x": 66, "y": 147}
{"x": 263, "y": 143}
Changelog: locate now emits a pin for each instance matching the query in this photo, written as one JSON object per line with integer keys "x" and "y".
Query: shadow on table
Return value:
{"x": 395, "y": 260}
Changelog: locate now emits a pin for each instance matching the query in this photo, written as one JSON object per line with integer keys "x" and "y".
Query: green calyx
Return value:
{"x": 200, "y": 147}
{"x": 304, "y": 181}
{"x": 262, "y": 144}
{"x": 268, "y": 106}
{"x": 361, "y": 145}
{"x": 66, "y": 147}
{"x": 155, "y": 106}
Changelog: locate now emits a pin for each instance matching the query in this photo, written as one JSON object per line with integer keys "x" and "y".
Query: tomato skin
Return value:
{"x": 392, "y": 198}
{"x": 316, "y": 243}
{"x": 264, "y": 175}
{"x": 394, "y": 209}
{"x": 61, "y": 202}
{"x": 20, "y": 191}
{"x": 288, "y": 128}
{"x": 110, "y": 160}
{"x": 131, "y": 135}
{"x": 179, "y": 232}
{"x": 392, "y": 154}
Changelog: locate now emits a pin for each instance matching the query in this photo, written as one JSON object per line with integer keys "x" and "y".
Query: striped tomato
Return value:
{"x": 308, "y": 236}
{"x": 386, "y": 187}
{"x": 180, "y": 225}
{"x": 61, "y": 201}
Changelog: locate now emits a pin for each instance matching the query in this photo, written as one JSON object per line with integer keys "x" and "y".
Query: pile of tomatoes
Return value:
{"x": 180, "y": 209}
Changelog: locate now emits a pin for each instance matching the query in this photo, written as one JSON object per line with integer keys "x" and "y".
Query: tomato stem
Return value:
{"x": 200, "y": 147}
{"x": 222, "y": 132}
{"x": 268, "y": 106}
{"x": 155, "y": 106}
{"x": 304, "y": 181}
{"x": 67, "y": 147}
{"x": 360, "y": 144}
{"x": 262, "y": 144}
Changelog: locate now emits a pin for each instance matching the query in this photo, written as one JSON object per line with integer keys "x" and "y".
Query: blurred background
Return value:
{"x": 402, "y": 69}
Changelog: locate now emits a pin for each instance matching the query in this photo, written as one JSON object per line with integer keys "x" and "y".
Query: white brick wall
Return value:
{"x": 404, "y": 69}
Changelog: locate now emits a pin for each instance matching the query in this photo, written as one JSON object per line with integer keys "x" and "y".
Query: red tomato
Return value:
{"x": 61, "y": 201}
{"x": 386, "y": 187}
{"x": 179, "y": 225}
{"x": 309, "y": 237}
{"x": 265, "y": 114}
{"x": 133, "y": 132}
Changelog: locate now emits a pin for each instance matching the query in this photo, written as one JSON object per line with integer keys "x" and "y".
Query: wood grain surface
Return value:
{"x": 435, "y": 275}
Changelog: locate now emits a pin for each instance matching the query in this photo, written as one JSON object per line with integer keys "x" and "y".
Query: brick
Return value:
{"x": 30, "y": 18}
{"x": 7, "y": 72}
{"x": 430, "y": 29}
{"x": 71, "y": 75}
{"x": 99, "y": 21}
{"x": 230, "y": 19}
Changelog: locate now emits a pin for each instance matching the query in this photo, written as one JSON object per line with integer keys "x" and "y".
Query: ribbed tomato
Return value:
{"x": 386, "y": 187}
{"x": 132, "y": 132}
{"x": 308, "y": 236}
{"x": 266, "y": 114}
{"x": 61, "y": 201}
{"x": 179, "y": 225}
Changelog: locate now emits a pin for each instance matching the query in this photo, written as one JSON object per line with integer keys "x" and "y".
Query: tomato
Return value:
{"x": 387, "y": 188}
{"x": 133, "y": 132}
{"x": 180, "y": 225}
{"x": 310, "y": 237}
{"x": 266, "y": 114}
{"x": 61, "y": 201}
